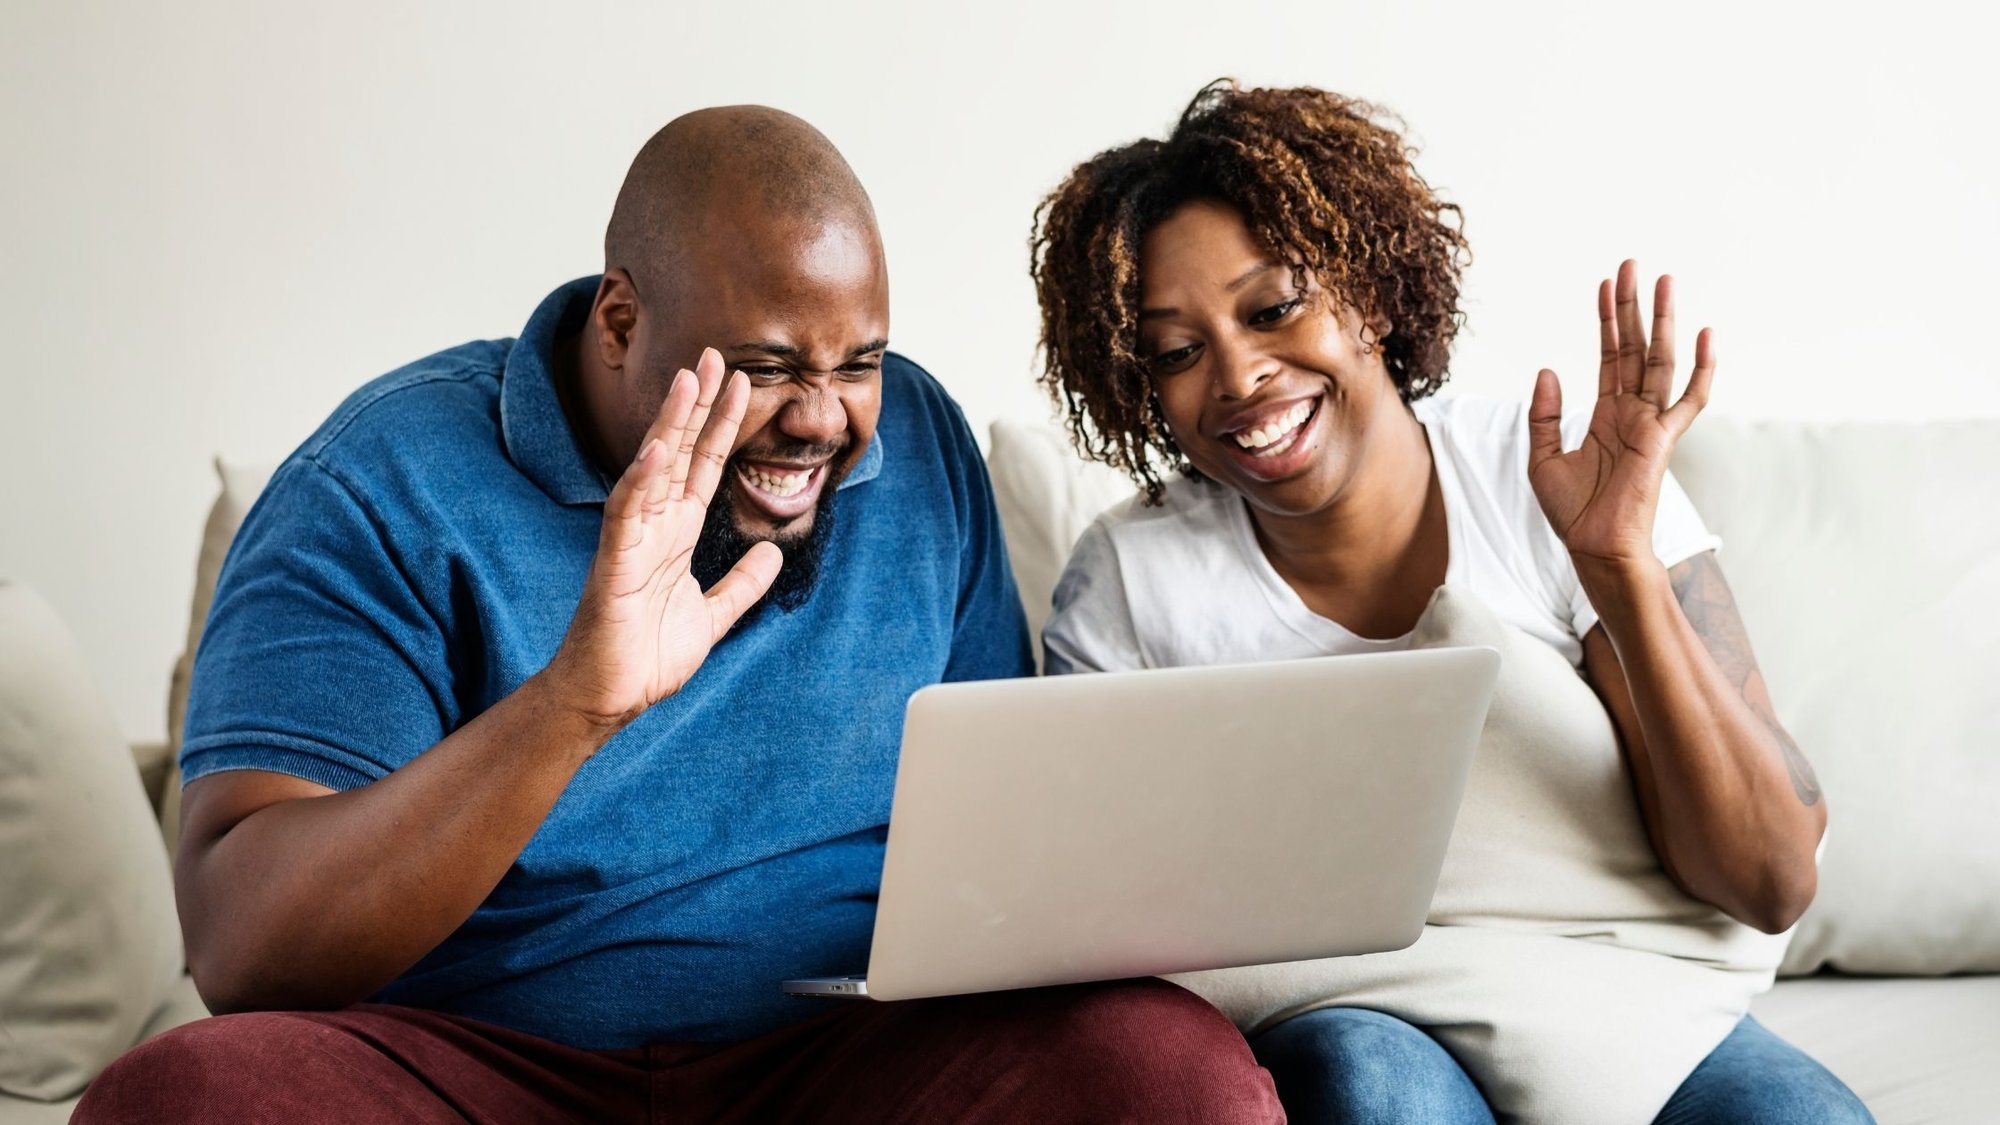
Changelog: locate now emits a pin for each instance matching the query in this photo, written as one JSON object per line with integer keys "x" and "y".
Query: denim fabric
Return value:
{"x": 1368, "y": 1068}
{"x": 1756, "y": 1078}
{"x": 1362, "y": 1067}
{"x": 420, "y": 556}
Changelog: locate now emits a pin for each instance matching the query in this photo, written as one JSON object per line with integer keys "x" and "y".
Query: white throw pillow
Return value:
{"x": 1047, "y": 495}
{"x": 90, "y": 946}
{"x": 1866, "y": 561}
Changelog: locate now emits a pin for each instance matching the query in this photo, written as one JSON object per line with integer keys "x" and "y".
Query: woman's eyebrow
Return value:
{"x": 1246, "y": 278}
{"x": 1249, "y": 275}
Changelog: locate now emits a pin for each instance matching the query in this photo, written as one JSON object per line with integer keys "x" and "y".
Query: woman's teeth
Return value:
{"x": 778, "y": 484}
{"x": 1276, "y": 435}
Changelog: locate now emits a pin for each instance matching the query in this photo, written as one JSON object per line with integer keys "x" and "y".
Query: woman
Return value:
{"x": 1262, "y": 304}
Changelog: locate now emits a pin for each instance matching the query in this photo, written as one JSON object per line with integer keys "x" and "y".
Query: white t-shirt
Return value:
{"x": 1186, "y": 583}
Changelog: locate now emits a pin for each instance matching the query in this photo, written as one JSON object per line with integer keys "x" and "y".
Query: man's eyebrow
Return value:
{"x": 793, "y": 351}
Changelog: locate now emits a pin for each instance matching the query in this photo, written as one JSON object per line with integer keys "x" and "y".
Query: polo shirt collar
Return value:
{"x": 532, "y": 423}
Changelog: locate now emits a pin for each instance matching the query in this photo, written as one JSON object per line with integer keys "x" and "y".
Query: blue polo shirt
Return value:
{"x": 420, "y": 556}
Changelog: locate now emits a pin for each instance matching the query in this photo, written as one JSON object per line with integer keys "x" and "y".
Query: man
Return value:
{"x": 508, "y": 799}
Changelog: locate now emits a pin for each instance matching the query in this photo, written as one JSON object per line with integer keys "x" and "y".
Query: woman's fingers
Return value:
{"x": 1684, "y": 411}
{"x": 738, "y": 590}
{"x": 1607, "y": 342}
{"x": 1658, "y": 380}
{"x": 718, "y": 439}
{"x": 1631, "y": 331}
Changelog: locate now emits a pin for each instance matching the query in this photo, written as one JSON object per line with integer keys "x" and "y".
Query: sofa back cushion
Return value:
{"x": 1866, "y": 561}
{"x": 89, "y": 943}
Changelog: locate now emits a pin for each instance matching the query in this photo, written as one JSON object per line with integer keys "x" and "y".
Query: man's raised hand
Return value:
{"x": 644, "y": 625}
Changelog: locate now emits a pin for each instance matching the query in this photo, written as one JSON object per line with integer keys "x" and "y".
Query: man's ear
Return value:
{"x": 613, "y": 316}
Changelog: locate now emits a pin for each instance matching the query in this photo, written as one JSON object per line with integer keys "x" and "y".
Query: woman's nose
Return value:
{"x": 1240, "y": 369}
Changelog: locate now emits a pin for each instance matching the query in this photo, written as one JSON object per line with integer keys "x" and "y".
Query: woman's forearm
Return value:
{"x": 1734, "y": 808}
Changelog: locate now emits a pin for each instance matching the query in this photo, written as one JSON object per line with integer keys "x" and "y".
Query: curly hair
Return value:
{"x": 1322, "y": 181}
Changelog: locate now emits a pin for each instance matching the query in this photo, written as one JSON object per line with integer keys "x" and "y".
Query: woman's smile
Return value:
{"x": 1273, "y": 441}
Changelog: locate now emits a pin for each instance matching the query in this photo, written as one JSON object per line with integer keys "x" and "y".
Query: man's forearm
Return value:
{"x": 319, "y": 902}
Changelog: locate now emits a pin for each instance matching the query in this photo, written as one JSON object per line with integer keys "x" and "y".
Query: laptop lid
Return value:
{"x": 1095, "y": 827}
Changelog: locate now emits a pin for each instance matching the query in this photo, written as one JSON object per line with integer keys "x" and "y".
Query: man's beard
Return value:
{"x": 723, "y": 542}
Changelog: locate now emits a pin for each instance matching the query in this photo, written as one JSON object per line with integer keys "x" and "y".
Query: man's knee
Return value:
{"x": 1153, "y": 1051}
{"x": 204, "y": 1070}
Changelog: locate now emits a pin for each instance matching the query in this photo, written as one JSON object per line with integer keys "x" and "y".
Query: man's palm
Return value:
{"x": 644, "y": 624}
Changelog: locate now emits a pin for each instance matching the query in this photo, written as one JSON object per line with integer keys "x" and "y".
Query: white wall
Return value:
{"x": 216, "y": 219}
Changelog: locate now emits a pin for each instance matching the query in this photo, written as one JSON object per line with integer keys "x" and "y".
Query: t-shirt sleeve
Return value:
{"x": 989, "y": 638}
{"x": 318, "y": 659}
{"x": 1091, "y": 628}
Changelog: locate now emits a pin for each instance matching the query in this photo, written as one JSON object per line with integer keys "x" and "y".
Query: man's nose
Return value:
{"x": 816, "y": 415}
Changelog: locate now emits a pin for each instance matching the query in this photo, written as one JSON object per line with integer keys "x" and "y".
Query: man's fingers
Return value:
{"x": 1658, "y": 380}
{"x": 666, "y": 429}
{"x": 747, "y": 581}
{"x": 711, "y": 450}
{"x": 625, "y": 508}
{"x": 1545, "y": 419}
{"x": 1631, "y": 331}
{"x": 1607, "y": 342}
{"x": 708, "y": 381}
{"x": 1684, "y": 411}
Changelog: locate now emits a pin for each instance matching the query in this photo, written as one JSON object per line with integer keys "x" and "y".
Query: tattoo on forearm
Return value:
{"x": 1710, "y": 607}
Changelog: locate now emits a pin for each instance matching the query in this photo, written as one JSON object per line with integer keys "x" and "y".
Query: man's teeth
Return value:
{"x": 1276, "y": 428}
{"x": 778, "y": 484}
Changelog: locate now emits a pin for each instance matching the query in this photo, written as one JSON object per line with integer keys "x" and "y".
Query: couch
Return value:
{"x": 1866, "y": 560}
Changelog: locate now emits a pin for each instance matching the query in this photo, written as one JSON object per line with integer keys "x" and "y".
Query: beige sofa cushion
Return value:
{"x": 1866, "y": 559}
{"x": 1916, "y": 1051}
{"x": 90, "y": 947}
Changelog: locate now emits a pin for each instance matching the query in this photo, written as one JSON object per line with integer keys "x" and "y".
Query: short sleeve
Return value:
{"x": 989, "y": 638}
{"x": 1091, "y": 628}
{"x": 1678, "y": 535}
{"x": 318, "y": 659}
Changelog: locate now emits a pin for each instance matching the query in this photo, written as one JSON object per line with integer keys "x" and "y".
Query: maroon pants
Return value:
{"x": 1127, "y": 1051}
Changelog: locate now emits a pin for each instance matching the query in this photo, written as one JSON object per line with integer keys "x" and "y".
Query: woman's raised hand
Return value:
{"x": 644, "y": 624}
{"x": 1601, "y": 496}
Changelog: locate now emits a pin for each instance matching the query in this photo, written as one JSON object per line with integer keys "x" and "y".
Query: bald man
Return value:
{"x": 548, "y": 712}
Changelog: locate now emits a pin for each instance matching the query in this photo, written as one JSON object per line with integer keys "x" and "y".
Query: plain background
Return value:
{"x": 217, "y": 219}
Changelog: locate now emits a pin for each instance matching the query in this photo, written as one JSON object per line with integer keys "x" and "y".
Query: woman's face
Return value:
{"x": 1264, "y": 386}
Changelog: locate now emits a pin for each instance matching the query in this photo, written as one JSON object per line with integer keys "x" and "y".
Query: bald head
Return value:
{"x": 737, "y": 173}
{"x": 742, "y": 229}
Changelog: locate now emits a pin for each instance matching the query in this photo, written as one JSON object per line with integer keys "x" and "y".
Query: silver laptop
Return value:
{"x": 1094, "y": 827}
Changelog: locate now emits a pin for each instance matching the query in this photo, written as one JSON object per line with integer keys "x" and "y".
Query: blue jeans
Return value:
{"x": 1361, "y": 1066}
